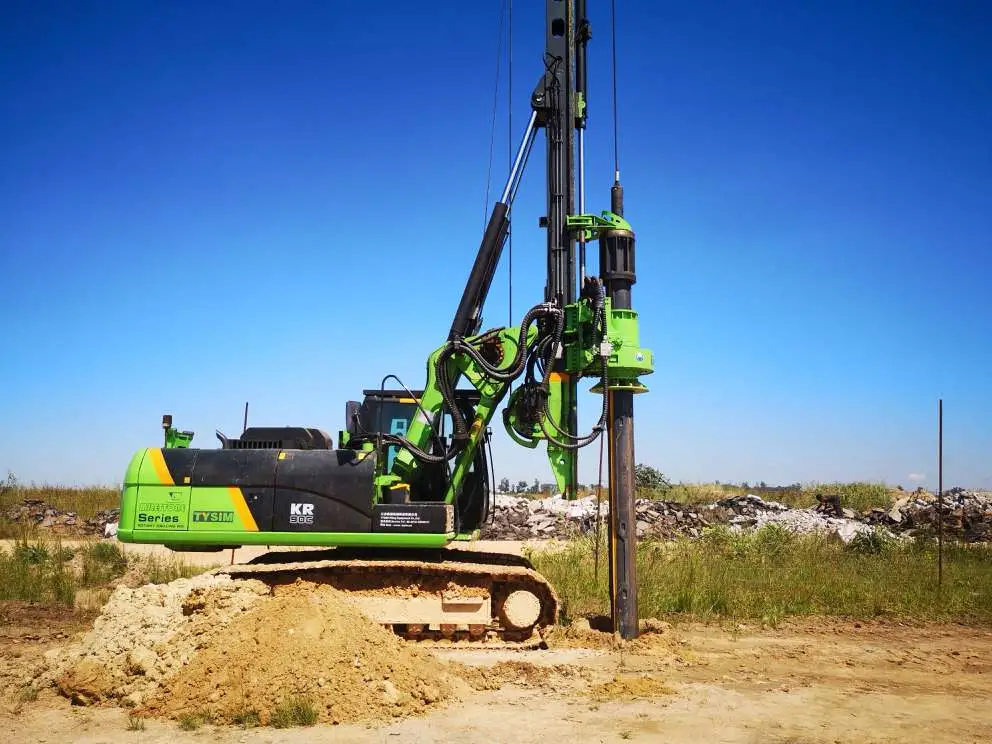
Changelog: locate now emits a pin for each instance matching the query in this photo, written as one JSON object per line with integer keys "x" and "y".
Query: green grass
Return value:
{"x": 102, "y": 563}
{"x": 694, "y": 493}
{"x": 860, "y": 496}
{"x": 193, "y": 721}
{"x": 27, "y": 694}
{"x": 163, "y": 570}
{"x": 294, "y": 711}
{"x": 37, "y": 572}
{"x": 85, "y": 501}
{"x": 247, "y": 718}
{"x": 772, "y": 574}
{"x": 38, "y": 569}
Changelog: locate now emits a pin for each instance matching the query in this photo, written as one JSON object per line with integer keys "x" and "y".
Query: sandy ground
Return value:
{"x": 805, "y": 682}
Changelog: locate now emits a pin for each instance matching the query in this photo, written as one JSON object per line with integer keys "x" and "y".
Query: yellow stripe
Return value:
{"x": 241, "y": 507}
{"x": 161, "y": 469}
{"x": 407, "y": 400}
{"x": 558, "y": 377}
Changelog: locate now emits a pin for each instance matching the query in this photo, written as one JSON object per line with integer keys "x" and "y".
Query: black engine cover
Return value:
{"x": 287, "y": 490}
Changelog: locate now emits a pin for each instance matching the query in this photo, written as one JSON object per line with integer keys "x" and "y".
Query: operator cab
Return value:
{"x": 392, "y": 412}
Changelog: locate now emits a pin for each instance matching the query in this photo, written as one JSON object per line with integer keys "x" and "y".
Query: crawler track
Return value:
{"x": 422, "y": 579}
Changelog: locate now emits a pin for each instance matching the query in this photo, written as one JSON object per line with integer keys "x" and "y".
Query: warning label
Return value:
{"x": 421, "y": 518}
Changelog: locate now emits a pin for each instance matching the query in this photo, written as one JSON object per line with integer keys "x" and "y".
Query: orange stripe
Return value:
{"x": 241, "y": 507}
{"x": 558, "y": 377}
{"x": 161, "y": 469}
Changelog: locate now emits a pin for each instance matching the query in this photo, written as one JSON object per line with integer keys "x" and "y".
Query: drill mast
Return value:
{"x": 558, "y": 105}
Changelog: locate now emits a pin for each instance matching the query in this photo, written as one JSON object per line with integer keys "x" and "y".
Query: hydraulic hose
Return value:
{"x": 448, "y": 394}
{"x": 503, "y": 375}
{"x": 579, "y": 442}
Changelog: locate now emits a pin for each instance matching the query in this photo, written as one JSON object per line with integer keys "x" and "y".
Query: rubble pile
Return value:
{"x": 520, "y": 518}
{"x": 753, "y": 512}
{"x": 668, "y": 519}
{"x": 38, "y": 513}
{"x": 967, "y": 514}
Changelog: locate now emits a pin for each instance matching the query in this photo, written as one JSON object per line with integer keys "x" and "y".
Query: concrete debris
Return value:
{"x": 967, "y": 516}
{"x": 753, "y": 512}
{"x": 520, "y": 518}
{"x": 38, "y": 513}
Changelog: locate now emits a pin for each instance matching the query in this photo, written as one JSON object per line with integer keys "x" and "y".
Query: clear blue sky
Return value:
{"x": 210, "y": 202}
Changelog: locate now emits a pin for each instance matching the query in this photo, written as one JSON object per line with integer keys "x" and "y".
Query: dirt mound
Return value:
{"x": 308, "y": 647}
{"x": 655, "y": 636}
{"x": 145, "y": 635}
{"x": 520, "y": 673}
{"x": 630, "y": 688}
{"x": 229, "y": 650}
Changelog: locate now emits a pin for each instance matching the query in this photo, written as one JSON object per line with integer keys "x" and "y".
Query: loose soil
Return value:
{"x": 146, "y": 635}
{"x": 310, "y": 645}
{"x": 27, "y": 632}
{"x": 818, "y": 681}
{"x": 622, "y": 688}
{"x": 226, "y": 650}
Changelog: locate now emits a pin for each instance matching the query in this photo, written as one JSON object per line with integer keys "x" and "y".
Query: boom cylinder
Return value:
{"x": 468, "y": 317}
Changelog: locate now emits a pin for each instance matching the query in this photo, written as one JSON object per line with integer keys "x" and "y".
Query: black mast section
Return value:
{"x": 554, "y": 102}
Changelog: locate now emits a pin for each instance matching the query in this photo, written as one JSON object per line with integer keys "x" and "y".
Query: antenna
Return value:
{"x": 244, "y": 427}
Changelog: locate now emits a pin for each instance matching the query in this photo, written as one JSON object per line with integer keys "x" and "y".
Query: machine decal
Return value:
{"x": 213, "y": 516}
{"x": 241, "y": 507}
{"x": 427, "y": 518}
{"x": 301, "y": 513}
{"x": 161, "y": 515}
{"x": 161, "y": 470}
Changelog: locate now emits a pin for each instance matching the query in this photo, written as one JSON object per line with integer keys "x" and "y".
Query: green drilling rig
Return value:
{"x": 409, "y": 475}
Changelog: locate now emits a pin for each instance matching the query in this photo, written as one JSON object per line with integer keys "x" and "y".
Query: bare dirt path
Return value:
{"x": 817, "y": 681}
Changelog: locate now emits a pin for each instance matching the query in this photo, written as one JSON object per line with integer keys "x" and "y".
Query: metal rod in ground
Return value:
{"x": 940, "y": 492}
{"x": 616, "y": 269}
{"x": 623, "y": 534}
